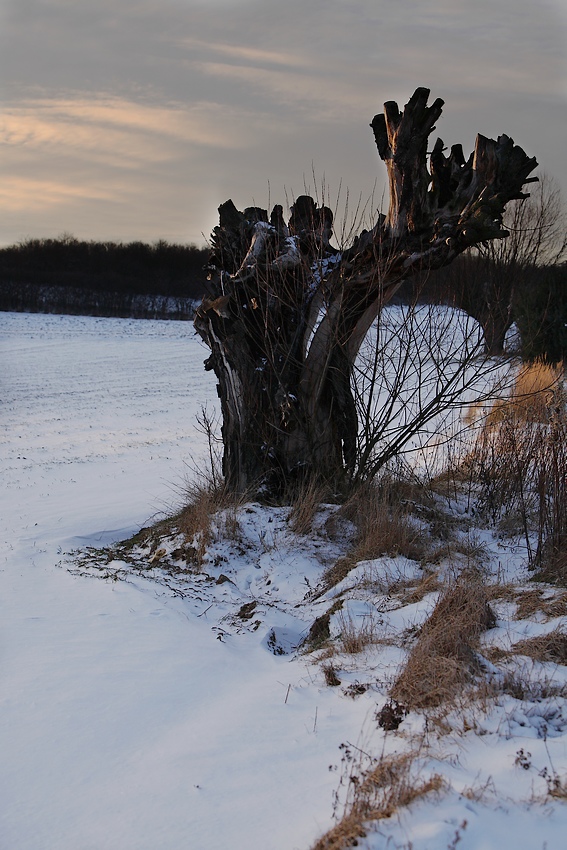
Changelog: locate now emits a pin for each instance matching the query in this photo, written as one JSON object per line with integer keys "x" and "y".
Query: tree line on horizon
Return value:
{"x": 68, "y": 275}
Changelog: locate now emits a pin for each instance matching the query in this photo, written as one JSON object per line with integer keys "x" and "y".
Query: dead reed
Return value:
{"x": 519, "y": 463}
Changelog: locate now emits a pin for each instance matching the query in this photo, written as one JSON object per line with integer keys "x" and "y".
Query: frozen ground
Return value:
{"x": 139, "y": 714}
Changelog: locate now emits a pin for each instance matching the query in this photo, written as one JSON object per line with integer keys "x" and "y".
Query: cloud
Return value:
{"x": 111, "y": 129}
{"x": 40, "y": 195}
{"x": 287, "y": 59}
{"x": 105, "y": 152}
{"x": 104, "y": 164}
{"x": 325, "y": 99}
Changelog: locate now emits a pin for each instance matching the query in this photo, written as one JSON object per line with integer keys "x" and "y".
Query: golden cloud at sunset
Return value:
{"x": 20, "y": 193}
{"x": 114, "y": 129}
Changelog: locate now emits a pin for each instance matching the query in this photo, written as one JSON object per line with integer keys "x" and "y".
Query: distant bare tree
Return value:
{"x": 489, "y": 280}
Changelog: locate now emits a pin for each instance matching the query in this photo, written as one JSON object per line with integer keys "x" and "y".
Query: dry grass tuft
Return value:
{"x": 345, "y": 834}
{"x": 354, "y": 638}
{"x": 556, "y": 787}
{"x": 429, "y": 584}
{"x": 194, "y": 523}
{"x": 549, "y": 647}
{"x": 555, "y": 606}
{"x": 338, "y": 571}
{"x": 501, "y": 592}
{"x": 210, "y": 511}
{"x": 519, "y": 464}
{"x": 389, "y": 785}
{"x": 530, "y": 602}
{"x": 383, "y": 526}
{"x": 443, "y": 659}
{"x": 330, "y": 674}
{"x": 304, "y": 506}
{"x": 195, "y": 520}
{"x": 537, "y": 389}
{"x": 519, "y": 683}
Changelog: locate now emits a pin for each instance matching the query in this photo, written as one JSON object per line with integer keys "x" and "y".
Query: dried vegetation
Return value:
{"x": 519, "y": 468}
{"x": 443, "y": 659}
{"x": 209, "y": 513}
{"x": 515, "y": 476}
{"x": 537, "y": 601}
{"x": 380, "y": 516}
{"x": 549, "y": 647}
{"x": 389, "y": 784}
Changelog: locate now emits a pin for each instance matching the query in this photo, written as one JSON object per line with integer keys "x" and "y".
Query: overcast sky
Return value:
{"x": 135, "y": 119}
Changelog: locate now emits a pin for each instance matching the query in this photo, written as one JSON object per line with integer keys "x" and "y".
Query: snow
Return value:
{"x": 140, "y": 710}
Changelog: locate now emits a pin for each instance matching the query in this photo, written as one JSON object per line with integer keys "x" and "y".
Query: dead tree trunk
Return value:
{"x": 286, "y": 312}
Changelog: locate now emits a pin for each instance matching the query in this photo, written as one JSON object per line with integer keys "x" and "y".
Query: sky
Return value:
{"x": 135, "y": 119}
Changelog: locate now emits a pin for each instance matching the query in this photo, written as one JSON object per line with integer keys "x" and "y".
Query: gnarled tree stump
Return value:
{"x": 286, "y": 311}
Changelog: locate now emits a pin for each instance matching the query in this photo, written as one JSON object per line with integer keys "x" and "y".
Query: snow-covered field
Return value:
{"x": 125, "y": 723}
{"x": 140, "y": 716}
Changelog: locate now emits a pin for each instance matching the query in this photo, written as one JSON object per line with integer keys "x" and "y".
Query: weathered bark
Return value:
{"x": 287, "y": 312}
